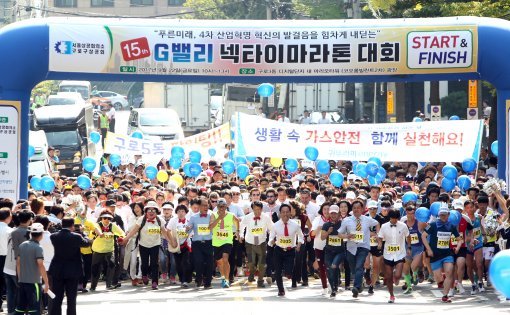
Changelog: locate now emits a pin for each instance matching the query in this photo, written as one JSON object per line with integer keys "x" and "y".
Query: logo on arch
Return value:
{"x": 64, "y": 47}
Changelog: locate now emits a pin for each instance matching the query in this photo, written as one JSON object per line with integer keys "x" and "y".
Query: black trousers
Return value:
{"x": 104, "y": 131}
{"x": 235, "y": 259}
{"x": 270, "y": 262}
{"x": 112, "y": 125}
{"x": 87, "y": 269}
{"x": 300, "y": 272}
{"x": 98, "y": 259}
{"x": 183, "y": 264}
{"x": 203, "y": 261}
{"x": 2, "y": 279}
{"x": 29, "y": 298}
{"x": 150, "y": 261}
{"x": 59, "y": 286}
{"x": 283, "y": 264}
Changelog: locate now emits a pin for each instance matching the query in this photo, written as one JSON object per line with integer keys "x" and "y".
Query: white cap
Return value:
{"x": 36, "y": 228}
{"x": 351, "y": 176}
{"x": 458, "y": 204}
{"x": 350, "y": 195}
{"x": 443, "y": 209}
{"x": 235, "y": 189}
{"x": 334, "y": 208}
{"x": 372, "y": 204}
{"x": 151, "y": 204}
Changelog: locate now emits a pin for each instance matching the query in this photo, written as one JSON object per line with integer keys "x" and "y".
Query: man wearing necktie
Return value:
{"x": 357, "y": 227}
{"x": 178, "y": 226}
{"x": 395, "y": 235}
{"x": 256, "y": 225}
{"x": 288, "y": 237}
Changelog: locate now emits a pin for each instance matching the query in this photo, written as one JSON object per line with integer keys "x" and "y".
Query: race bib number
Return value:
{"x": 453, "y": 240}
{"x": 257, "y": 231}
{"x": 477, "y": 232}
{"x": 182, "y": 234}
{"x": 284, "y": 242}
{"x": 373, "y": 241}
{"x": 391, "y": 249}
{"x": 222, "y": 234}
{"x": 334, "y": 240}
{"x": 358, "y": 237}
{"x": 154, "y": 231}
{"x": 443, "y": 240}
{"x": 203, "y": 229}
{"x": 414, "y": 239}
{"x": 108, "y": 235}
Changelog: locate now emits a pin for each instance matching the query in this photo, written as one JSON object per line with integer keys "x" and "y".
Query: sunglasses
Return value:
{"x": 236, "y": 194}
{"x": 152, "y": 210}
{"x": 106, "y": 219}
{"x": 214, "y": 201}
{"x": 271, "y": 196}
{"x": 255, "y": 195}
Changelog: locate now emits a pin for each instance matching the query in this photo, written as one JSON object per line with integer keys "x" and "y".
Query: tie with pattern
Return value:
{"x": 358, "y": 225}
{"x": 256, "y": 237}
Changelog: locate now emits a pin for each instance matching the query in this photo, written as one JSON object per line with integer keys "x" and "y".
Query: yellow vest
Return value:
{"x": 106, "y": 244}
{"x": 223, "y": 236}
{"x": 105, "y": 123}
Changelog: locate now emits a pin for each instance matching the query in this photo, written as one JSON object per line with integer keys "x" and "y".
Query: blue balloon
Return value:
{"x": 251, "y": 159}
{"x": 494, "y": 148}
{"x": 89, "y": 164}
{"x": 291, "y": 165}
{"x": 372, "y": 169}
{"x": 195, "y": 157}
{"x": 228, "y": 167}
{"x": 469, "y": 165}
{"x": 454, "y": 117}
{"x": 422, "y": 214}
{"x": 499, "y": 271}
{"x": 311, "y": 153}
{"x": 151, "y": 172}
{"x": 361, "y": 170}
{"x": 417, "y": 119}
{"x": 31, "y": 151}
{"x": 240, "y": 160}
{"x": 137, "y": 135}
{"x": 212, "y": 152}
{"x": 434, "y": 208}
{"x": 464, "y": 182}
{"x": 265, "y": 89}
{"x": 35, "y": 182}
{"x": 336, "y": 178}
{"x": 381, "y": 174}
{"x": 186, "y": 169}
{"x": 95, "y": 137}
{"x": 323, "y": 167}
{"x": 373, "y": 180}
{"x": 454, "y": 217}
{"x": 177, "y": 151}
{"x": 47, "y": 184}
{"x": 409, "y": 196}
{"x": 175, "y": 162}
{"x": 83, "y": 182}
{"x": 376, "y": 160}
{"x": 450, "y": 171}
{"x": 448, "y": 184}
{"x": 115, "y": 159}
{"x": 195, "y": 169}
{"x": 243, "y": 171}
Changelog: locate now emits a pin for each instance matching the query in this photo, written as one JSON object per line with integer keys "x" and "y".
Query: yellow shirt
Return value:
{"x": 88, "y": 229}
{"x": 105, "y": 244}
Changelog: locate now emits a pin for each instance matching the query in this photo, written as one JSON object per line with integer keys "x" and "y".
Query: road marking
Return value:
{"x": 437, "y": 293}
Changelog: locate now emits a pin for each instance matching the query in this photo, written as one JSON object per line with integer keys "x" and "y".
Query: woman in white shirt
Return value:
{"x": 319, "y": 244}
{"x": 131, "y": 256}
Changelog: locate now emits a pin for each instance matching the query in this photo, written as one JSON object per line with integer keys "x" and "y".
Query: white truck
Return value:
{"x": 191, "y": 101}
{"x": 241, "y": 98}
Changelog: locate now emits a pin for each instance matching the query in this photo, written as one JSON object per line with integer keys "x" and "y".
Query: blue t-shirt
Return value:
{"x": 439, "y": 239}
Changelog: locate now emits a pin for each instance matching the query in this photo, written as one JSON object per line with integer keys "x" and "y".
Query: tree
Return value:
{"x": 44, "y": 89}
{"x": 454, "y": 104}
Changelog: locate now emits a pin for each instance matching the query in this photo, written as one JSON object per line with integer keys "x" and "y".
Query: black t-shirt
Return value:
{"x": 339, "y": 243}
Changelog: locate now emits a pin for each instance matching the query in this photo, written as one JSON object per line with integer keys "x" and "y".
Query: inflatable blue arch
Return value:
{"x": 397, "y": 50}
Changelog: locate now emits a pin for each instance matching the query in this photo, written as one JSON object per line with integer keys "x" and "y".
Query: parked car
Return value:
{"x": 137, "y": 101}
{"x": 119, "y": 101}
{"x": 65, "y": 98}
{"x": 156, "y": 123}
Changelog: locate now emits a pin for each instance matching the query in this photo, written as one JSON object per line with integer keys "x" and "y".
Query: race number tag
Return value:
{"x": 443, "y": 240}
{"x": 257, "y": 231}
{"x": 284, "y": 241}
{"x": 334, "y": 240}
{"x": 154, "y": 230}
{"x": 477, "y": 232}
{"x": 453, "y": 240}
{"x": 182, "y": 234}
{"x": 391, "y": 249}
{"x": 373, "y": 241}
{"x": 358, "y": 237}
{"x": 203, "y": 229}
{"x": 414, "y": 239}
{"x": 222, "y": 234}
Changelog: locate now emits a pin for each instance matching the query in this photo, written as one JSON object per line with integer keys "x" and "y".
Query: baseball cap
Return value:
{"x": 350, "y": 195}
{"x": 458, "y": 204}
{"x": 235, "y": 189}
{"x": 334, "y": 209}
{"x": 221, "y": 202}
{"x": 151, "y": 205}
{"x": 372, "y": 204}
{"x": 167, "y": 206}
{"x": 110, "y": 203}
{"x": 443, "y": 209}
{"x": 36, "y": 228}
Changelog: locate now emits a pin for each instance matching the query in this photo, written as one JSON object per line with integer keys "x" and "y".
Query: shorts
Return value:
{"x": 462, "y": 253}
{"x": 488, "y": 253}
{"x": 415, "y": 251}
{"x": 223, "y": 249}
{"x": 438, "y": 264}
{"x": 393, "y": 263}
{"x": 474, "y": 250}
{"x": 375, "y": 252}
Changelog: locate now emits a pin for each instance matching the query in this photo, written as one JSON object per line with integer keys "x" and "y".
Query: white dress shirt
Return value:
{"x": 256, "y": 230}
{"x": 394, "y": 237}
{"x": 5, "y": 230}
{"x": 278, "y": 237}
{"x": 317, "y": 242}
{"x": 312, "y": 210}
{"x": 48, "y": 250}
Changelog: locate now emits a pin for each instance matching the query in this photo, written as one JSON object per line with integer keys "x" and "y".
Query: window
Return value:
{"x": 101, "y": 3}
{"x": 141, "y": 2}
{"x": 176, "y": 2}
{"x": 66, "y": 3}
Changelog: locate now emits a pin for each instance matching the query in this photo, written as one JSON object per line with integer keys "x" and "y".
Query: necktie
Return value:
{"x": 393, "y": 225}
{"x": 203, "y": 215}
{"x": 256, "y": 218}
{"x": 286, "y": 230}
{"x": 151, "y": 221}
{"x": 182, "y": 221}
{"x": 256, "y": 237}
{"x": 358, "y": 225}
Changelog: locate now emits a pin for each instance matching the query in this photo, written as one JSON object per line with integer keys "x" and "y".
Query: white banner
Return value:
{"x": 448, "y": 141}
{"x": 126, "y": 146}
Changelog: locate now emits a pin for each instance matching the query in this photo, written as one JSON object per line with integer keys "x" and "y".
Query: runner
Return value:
{"x": 438, "y": 249}
{"x": 257, "y": 226}
{"x": 288, "y": 238}
{"x": 202, "y": 245}
{"x": 300, "y": 272}
{"x": 474, "y": 243}
{"x": 490, "y": 225}
{"x": 375, "y": 252}
{"x": 178, "y": 225}
{"x": 414, "y": 260}
{"x": 334, "y": 252}
{"x": 464, "y": 228}
{"x": 395, "y": 235}
{"x": 319, "y": 243}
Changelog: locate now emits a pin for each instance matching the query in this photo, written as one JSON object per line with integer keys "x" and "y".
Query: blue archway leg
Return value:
{"x": 502, "y": 117}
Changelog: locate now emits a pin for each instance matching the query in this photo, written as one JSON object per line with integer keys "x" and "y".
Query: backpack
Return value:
{"x": 144, "y": 220}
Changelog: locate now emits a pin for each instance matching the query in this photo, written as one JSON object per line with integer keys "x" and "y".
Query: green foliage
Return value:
{"x": 45, "y": 88}
{"x": 226, "y": 9}
{"x": 455, "y": 103}
{"x": 320, "y": 9}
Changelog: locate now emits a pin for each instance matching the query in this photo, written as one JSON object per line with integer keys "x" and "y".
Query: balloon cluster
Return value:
{"x": 372, "y": 170}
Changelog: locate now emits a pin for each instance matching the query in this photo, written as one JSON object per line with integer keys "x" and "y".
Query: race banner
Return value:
{"x": 126, "y": 146}
{"x": 262, "y": 48}
{"x": 439, "y": 141}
